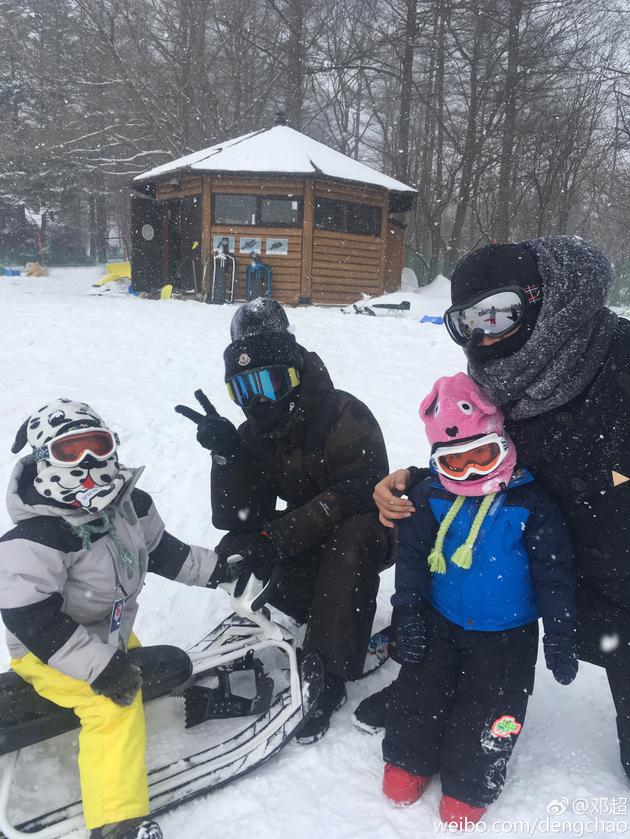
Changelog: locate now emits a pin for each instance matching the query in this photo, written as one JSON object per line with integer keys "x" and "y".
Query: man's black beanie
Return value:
{"x": 490, "y": 267}
{"x": 260, "y": 338}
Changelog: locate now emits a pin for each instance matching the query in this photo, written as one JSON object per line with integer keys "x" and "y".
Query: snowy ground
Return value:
{"x": 134, "y": 360}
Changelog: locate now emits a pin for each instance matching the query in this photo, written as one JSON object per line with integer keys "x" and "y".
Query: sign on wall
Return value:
{"x": 247, "y": 244}
{"x": 217, "y": 242}
{"x": 277, "y": 247}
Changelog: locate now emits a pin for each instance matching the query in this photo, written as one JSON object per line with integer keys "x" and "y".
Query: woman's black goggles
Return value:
{"x": 493, "y": 314}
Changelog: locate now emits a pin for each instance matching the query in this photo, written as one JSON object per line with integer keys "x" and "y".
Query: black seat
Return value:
{"x": 27, "y": 718}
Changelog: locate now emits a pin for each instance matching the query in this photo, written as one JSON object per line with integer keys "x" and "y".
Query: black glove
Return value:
{"x": 560, "y": 657}
{"x": 120, "y": 681}
{"x": 214, "y": 432}
{"x": 262, "y": 559}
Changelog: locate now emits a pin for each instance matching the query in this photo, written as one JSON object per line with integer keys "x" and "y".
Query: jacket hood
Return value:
{"x": 24, "y": 502}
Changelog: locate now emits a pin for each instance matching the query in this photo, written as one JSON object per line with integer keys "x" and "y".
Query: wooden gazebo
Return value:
{"x": 329, "y": 226}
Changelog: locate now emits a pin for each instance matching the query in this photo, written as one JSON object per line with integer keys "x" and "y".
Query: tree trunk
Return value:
{"x": 504, "y": 202}
{"x": 295, "y": 63}
{"x": 438, "y": 199}
{"x": 470, "y": 150}
{"x": 401, "y": 168}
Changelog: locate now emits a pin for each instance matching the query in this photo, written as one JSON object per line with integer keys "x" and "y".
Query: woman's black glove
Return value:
{"x": 214, "y": 432}
{"x": 120, "y": 681}
{"x": 560, "y": 657}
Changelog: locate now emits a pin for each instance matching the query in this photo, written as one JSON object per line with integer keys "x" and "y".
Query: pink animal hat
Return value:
{"x": 470, "y": 450}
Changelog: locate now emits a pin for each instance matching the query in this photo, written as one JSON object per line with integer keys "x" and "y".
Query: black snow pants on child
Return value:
{"x": 459, "y": 712}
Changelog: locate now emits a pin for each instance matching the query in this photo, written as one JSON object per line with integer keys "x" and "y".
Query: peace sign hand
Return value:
{"x": 214, "y": 432}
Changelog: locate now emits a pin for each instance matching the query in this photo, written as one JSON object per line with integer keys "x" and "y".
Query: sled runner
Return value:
{"x": 382, "y": 308}
{"x": 377, "y": 651}
{"x": 223, "y": 276}
{"x": 210, "y": 758}
{"x": 221, "y": 678}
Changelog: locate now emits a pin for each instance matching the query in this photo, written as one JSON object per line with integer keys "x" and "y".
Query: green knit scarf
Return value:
{"x": 105, "y": 524}
{"x": 463, "y": 555}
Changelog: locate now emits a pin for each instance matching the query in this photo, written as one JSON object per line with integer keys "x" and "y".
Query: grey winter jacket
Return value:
{"x": 57, "y": 589}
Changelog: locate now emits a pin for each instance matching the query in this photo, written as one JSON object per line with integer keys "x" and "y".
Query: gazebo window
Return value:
{"x": 347, "y": 217}
{"x": 256, "y": 210}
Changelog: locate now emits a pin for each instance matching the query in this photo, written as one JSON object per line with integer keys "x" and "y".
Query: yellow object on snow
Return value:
{"x": 115, "y": 271}
{"x": 112, "y": 742}
{"x": 167, "y": 292}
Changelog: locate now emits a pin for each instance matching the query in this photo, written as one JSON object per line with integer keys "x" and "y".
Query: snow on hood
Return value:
{"x": 23, "y": 503}
{"x": 281, "y": 150}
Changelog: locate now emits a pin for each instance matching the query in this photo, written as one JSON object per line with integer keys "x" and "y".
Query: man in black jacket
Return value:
{"x": 559, "y": 365}
{"x": 321, "y": 451}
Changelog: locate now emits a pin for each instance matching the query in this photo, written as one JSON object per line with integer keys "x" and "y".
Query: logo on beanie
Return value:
{"x": 244, "y": 359}
{"x": 505, "y": 726}
{"x": 533, "y": 293}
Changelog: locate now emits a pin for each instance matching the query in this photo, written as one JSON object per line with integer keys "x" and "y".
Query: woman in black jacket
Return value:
{"x": 558, "y": 362}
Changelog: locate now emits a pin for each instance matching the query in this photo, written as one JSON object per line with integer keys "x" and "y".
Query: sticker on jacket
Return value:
{"x": 505, "y": 725}
{"x": 114, "y": 623}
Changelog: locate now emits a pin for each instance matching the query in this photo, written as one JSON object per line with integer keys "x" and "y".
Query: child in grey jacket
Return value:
{"x": 71, "y": 570}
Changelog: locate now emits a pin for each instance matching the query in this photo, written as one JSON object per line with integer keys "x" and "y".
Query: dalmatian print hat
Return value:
{"x": 90, "y": 485}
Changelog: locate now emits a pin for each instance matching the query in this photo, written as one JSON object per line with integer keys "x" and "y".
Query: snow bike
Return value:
{"x": 258, "y": 277}
{"x": 223, "y": 276}
{"x": 196, "y": 757}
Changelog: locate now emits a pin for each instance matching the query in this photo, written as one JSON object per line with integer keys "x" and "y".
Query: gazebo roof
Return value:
{"x": 280, "y": 150}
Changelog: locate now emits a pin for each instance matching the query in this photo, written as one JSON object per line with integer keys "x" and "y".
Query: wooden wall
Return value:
{"x": 395, "y": 256}
{"x": 287, "y": 269}
{"x": 186, "y": 185}
{"x": 347, "y": 265}
{"x": 321, "y": 266}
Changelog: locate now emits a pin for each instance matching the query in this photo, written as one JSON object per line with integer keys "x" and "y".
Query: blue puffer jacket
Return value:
{"x": 522, "y": 566}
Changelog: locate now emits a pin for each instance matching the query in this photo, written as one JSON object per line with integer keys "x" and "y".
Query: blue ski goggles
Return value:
{"x": 272, "y": 383}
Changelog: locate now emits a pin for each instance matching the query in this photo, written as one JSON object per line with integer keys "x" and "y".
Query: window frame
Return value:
{"x": 258, "y": 211}
{"x": 376, "y": 208}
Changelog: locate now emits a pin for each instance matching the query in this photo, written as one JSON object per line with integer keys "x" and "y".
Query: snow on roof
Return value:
{"x": 279, "y": 150}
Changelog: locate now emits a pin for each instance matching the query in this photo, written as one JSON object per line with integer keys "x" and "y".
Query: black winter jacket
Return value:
{"x": 574, "y": 451}
{"x": 325, "y": 466}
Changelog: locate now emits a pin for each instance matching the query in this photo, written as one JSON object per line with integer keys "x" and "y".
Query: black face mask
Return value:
{"x": 265, "y": 416}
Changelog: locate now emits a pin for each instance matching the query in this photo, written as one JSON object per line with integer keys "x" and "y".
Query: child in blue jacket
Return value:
{"x": 483, "y": 557}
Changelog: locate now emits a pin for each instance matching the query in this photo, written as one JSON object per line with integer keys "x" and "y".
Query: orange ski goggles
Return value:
{"x": 474, "y": 457}
{"x": 71, "y": 448}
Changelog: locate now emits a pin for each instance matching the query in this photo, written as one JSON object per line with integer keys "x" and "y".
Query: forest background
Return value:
{"x": 510, "y": 117}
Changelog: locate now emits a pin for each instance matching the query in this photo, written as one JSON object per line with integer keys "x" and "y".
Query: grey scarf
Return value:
{"x": 572, "y": 334}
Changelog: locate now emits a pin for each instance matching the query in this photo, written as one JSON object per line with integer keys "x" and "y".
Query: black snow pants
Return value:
{"x": 333, "y": 589}
{"x": 603, "y": 639}
{"x": 459, "y": 712}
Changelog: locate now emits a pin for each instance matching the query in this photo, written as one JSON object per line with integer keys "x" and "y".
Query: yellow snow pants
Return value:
{"x": 112, "y": 742}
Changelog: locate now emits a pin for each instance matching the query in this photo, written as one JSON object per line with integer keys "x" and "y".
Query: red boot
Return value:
{"x": 458, "y": 813}
{"x": 402, "y": 788}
